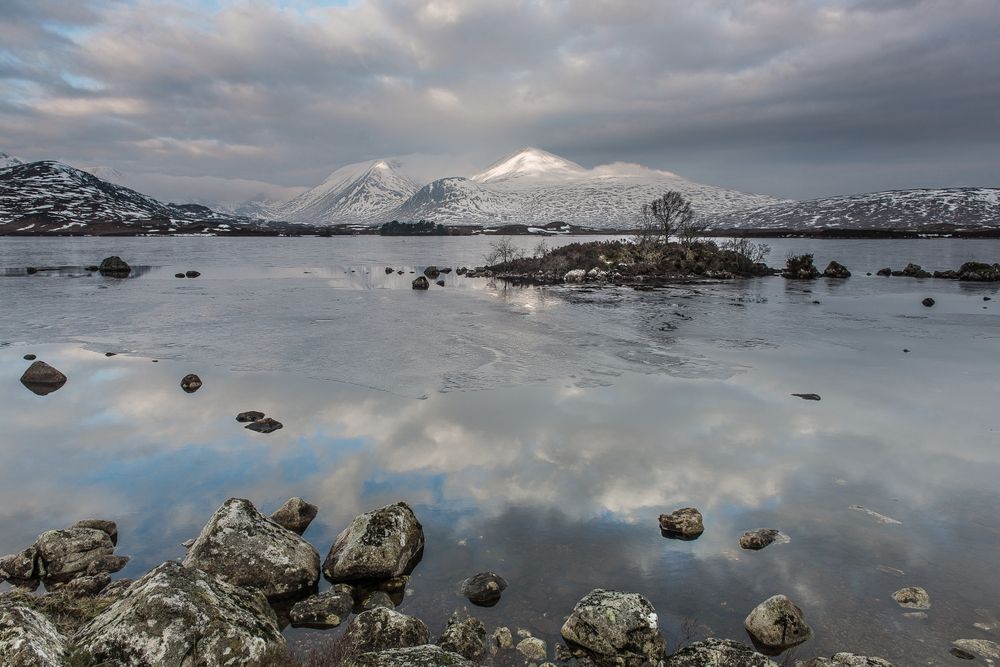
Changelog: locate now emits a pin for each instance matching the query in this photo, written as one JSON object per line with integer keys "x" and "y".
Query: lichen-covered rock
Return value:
{"x": 63, "y": 555}
{"x": 912, "y": 597}
{"x": 981, "y": 647}
{"x": 776, "y": 624}
{"x": 109, "y": 527}
{"x": 575, "y": 276}
{"x": 420, "y": 282}
{"x": 685, "y": 523}
{"x": 20, "y": 569}
{"x": 533, "y": 648}
{"x": 381, "y": 629}
{"x": 245, "y": 548}
{"x": 912, "y": 270}
{"x": 376, "y": 599}
{"x": 836, "y": 270}
{"x": 295, "y": 515}
{"x": 191, "y": 383}
{"x": 502, "y": 638}
{"x": 466, "y": 637}
{"x": 484, "y": 589}
{"x": 380, "y": 544}
{"x": 42, "y": 379}
{"x": 614, "y": 628}
{"x": 326, "y": 610}
{"x": 845, "y": 660}
{"x": 174, "y": 613}
{"x": 114, "y": 266}
{"x": 718, "y": 653}
{"x": 28, "y": 639}
{"x": 761, "y": 537}
{"x": 418, "y": 656}
{"x": 87, "y": 586}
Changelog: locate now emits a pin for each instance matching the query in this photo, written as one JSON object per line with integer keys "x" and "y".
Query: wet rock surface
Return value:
{"x": 718, "y": 652}
{"x": 381, "y": 629}
{"x": 42, "y": 379}
{"x": 466, "y": 637}
{"x": 381, "y": 544}
{"x": 244, "y": 548}
{"x": 418, "y": 656}
{"x": 326, "y": 610}
{"x": 777, "y": 624}
{"x": 114, "y": 266}
{"x": 191, "y": 383}
{"x": 685, "y": 523}
{"x": 484, "y": 589}
{"x": 614, "y": 628}
{"x": 249, "y": 416}
{"x": 175, "y": 612}
{"x": 265, "y": 425}
{"x": 845, "y": 660}
{"x": 295, "y": 515}
{"x": 758, "y": 539}
{"x": 912, "y": 597}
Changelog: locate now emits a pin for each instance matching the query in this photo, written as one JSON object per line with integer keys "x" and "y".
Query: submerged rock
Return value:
{"x": 685, "y": 523}
{"x": 759, "y": 538}
{"x": 484, "y": 589}
{"x": 845, "y": 660}
{"x": 420, "y": 282}
{"x": 417, "y": 656}
{"x": 28, "y": 639}
{"x": 533, "y": 648}
{"x": 836, "y": 270}
{"x": 380, "y": 629}
{"x": 249, "y": 416}
{"x": 912, "y": 597}
{"x": 265, "y": 425}
{"x": 174, "y": 613}
{"x": 981, "y": 647}
{"x": 614, "y": 628}
{"x": 295, "y": 515}
{"x": 323, "y": 611}
{"x": 191, "y": 383}
{"x": 244, "y": 548}
{"x": 718, "y": 652}
{"x": 381, "y": 544}
{"x": 776, "y": 624}
{"x": 465, "y": 637}
{"x": 114, "y": 266}
{"x": 42, "y": 379}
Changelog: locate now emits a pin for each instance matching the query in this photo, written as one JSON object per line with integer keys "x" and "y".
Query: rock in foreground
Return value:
{"x": 776, "y": 624}
{"x": 465, "y": 637}
{"x": 484, "y": 589}
{"x": 174, "y": 613}
{"x": 418, "y": 656}
{"x": 685, "y": 524}
{"x": 323, "y": 611}
{"x": 845, "y": 660}
{"x": 720, "y": 653}
{"x": 381, "y": 544}
{"x": 381, "y": 629}
{"x": 244, "y": 548}
{"x": 42, "y": 379}
{"x": 614, "y": 628}
{"x": 28, "y": 639}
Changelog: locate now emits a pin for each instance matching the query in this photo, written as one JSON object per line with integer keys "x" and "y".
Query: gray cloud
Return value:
{"x": 791, "y": 97}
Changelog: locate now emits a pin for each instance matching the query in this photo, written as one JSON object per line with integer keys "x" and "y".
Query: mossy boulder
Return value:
{"x": 381, "y": 544}
{"x": 614, "y": 628}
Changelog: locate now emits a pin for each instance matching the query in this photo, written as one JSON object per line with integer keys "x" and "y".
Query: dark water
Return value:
{"x": 537, "y": 432}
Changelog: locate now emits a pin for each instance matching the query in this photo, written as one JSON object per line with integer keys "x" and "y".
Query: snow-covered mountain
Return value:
{"x": 360, "y": 192}
{"x": 959, "y": 208}
{"x": 52, "y": 197}
{"x": 454, "y": 199}
{"x": 7, "y": 160}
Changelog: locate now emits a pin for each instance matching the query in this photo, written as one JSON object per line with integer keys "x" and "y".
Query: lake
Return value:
{"x": 537, "y": 432}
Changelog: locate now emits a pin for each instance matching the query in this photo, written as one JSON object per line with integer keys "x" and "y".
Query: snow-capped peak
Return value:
{"x": 531, "y": 163}
{"x": 104, "y": 173}
{"x": 8, "y": 160}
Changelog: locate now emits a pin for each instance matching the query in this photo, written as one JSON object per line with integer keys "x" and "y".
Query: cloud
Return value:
{"x": 791, "y": 97}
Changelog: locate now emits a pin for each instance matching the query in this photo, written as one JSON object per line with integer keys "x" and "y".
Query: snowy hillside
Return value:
{"x": 454, "y": 200}
{"x": 963, "y": 208}
{"x": 8, "y": 160}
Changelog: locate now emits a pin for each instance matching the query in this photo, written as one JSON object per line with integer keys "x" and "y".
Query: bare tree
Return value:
{"x": 672, "y": 212}
{"x": 541, "y": 250}
{"x": 754, "y": 251}
{"x": 502, "y": 251}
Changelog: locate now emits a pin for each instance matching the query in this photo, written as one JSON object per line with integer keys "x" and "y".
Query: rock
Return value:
{"x": 981, "y": 647}
{"x": 42, "y": 379}
{"x": 575, "y": 276}
{"x": 21, "y": 569}
{"x": 809, "y": 397}
{"x": 776, "y": 624}
{"x": 417, "y": 656}
{"x": 87, "y": 586}
{"x": 178, "y": 275}
{"x": 431, "y": 272}
{"x": 265, "y": 425}
{"x": 886, "y": 272}
{"x": 845, "y": 660}
{"x": 31, "y": 270}
{"x": 244, "y": 548}
{"x": 484, "y": 589}
{"x": 440, "y": 283}
{"x": 28, "y": 639}
{"x": 532, "y": 648}
{"x": 836, "y": 270}
{"x": 323, "y": 611}
{"x": 961, "y": 654}
{"x": 114, "y": 266}
{"x": 614, "y": 628}
{"x": 192, "y": 274}
{"x": 188, "y": 543}
{"x": 685, "y": 524}
{"x": 380, "y": 629}
{"x": 928, "y": 302}
{"x": 719, "y": 652}
{"x": 110, "y": 354}
{"x": 400, "y": 272}
{"x": 381, "y": 544}
{"x": 465, "y": 637}
{"x": 116, "y": 588}
{"x": 420, "y": 283}
{"x": 914, "y": 271}
{"x": 759, "y": 538}
{"x": 389, "y": 270}
{"x": 93, "y": 267}
{"x": 108, "y": 564}
{"x": 502, "y": 638}
{"x": 174, "y": 613}
{"x": 295, "y": 515}
{"x": 462, "y": 270}
{"x": 191, "y": 383}
{"x": 446, "y": 269}
{"x": 912, "y": 597}
{"x": 30, "y": 357}
{"x": 64, "y": 555}
{"x": 979, "y": 272}
{"x": 250, "y": 416}
{"x": 800, "y": 267}
{"x": 377, "y": 599}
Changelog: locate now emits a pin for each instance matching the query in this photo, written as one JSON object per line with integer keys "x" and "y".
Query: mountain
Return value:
{"x": 529, "y": 167}
{"x": 52, "y": 197}
{"x": 109, "y": 174}
{"x": 454, "y": 199}
{"x": 360, "y": 192}
{"x": 940, "y": 209}
{"x": 8, "y": 160}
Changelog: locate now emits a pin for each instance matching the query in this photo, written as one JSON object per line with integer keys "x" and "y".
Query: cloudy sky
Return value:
{"x": 228, "y": 98}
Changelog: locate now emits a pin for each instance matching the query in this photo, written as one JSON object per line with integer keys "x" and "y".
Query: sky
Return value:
{"x": 230, "y": 99}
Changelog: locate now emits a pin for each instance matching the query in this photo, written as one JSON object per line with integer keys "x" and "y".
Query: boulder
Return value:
{"x": 465, "y": 637}
{"x": 191, "y": 383}
{"x": 64, "y": 555}
{"x": 776, "y": 624}
{"x": 176, "y": 612}
{"x": 981, "y": 647}
{"x": 30, "y": 357}
{"x": 420, "y": 283}
{"x": 836, "y": 270}
{"x": 42, "y": 379}
{"x": 87, "y": 586}
{"x": 912, "y": 270}
{"x": 912, "y": 597}
{"x": 265, "y": 425}
{"x": 719, "y": 652}
{"x": 979, "y": 272}
{"x": 20, "y": 569}
{"x": 614, "y": 628}
{"x": 109, "y": 527}
{"x": 381, "y": 544}
{"x": 389, "y": 270}
{"x": 759, "y": 538}
{"x": 533, "y": 648}
{"x": 886, "y": 272}
{"x": 417, "y": 656}
{"x": 502, "y": 638}
{"x": 192, "y": 274}
{"x": 295, "y": 515}
{"x": 323, "y": 611}
{"x": 244, "y": 548}
{"x": 28, "y": 639}
{"x": 377, "y": 599}
{"x": 800, "y": 267}
{"x": 575, "y": 276}
{"x": 380, "y": 629}
{"x": 927, "y": 302}
{"x": 114, "y": 266}
{"x": 484, "y": 589}
{"x": 431, "y": 272}
{"x": 249, "y": 416}
{"x": 845, "y": 660}
{"x": 685, "y": 523}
